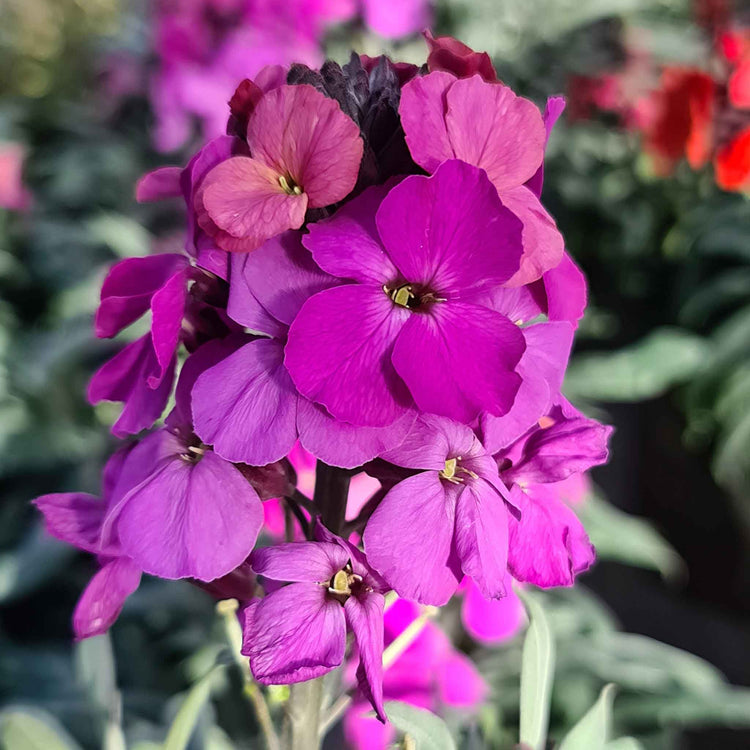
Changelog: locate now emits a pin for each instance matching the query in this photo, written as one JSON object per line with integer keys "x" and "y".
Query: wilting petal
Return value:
{"x": 552, "y": 111}
{"x": 459, "y": 360}
{"x": 339, "y": 353}
{"x": 342, "y": 444}
{"x": 244, "y": 198}
{"x": 294, "y": 634}
{"x": 490, "y": 127}
{"x": 73, "y": 517}
{"x": 409, "y": 539}
{"x": 548, "y": 545}
{"x": 101, "y": 602}
{"x": 543, "y": 245}
{"x": 159, "y": 184}
{"x": 125, "y": 378}
{"x": 348, "y": 244}
{"x": 450, "y": 231}
{"x": 246, "y": 406}
{"x": 492, "y": 620}
{"x": 422, "y": 109}
{"x": 167, "y": 309}
{"x": 302, "y": 134}
{"x": 365, "y": 618}
{"x": 128, "y": 288}
{"x": 482, "y": 537}
{"x": 280, "y": 275}
{"x": 190, "y": 520}
{"x": 310, "y": 562}
{"x": 541, "y": 368}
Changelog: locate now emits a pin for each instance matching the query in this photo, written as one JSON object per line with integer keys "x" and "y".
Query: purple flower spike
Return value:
{"x": 298, "y": 632}
{"x": 413, "y": 324}
{"x": 448, "y": 520}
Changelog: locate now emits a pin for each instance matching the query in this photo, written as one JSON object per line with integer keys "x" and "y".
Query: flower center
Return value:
{"x": 289, "y": 186}
{"x": 410, "y": 296}
{"x": 344, "y": 583}
{"x": 454, "y": 472}
{"x": 194, "y": 450}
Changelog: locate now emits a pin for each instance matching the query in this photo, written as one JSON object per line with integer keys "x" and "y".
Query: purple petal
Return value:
{"x": 365, "y": 619}
{"x": 73, "y": 517}
{"x": 339, "y": 353}
{"x": 160, "y": 184}
{"x": 125, "y": 378}
{"x": 492, "y": 621}
{"x": 548, "y": 545}
{"x": 409, "y": 539}
{"x": 459, "y": 360}
{"x": 128, "y": 288}
{"x": 280, "y": 275}
{"x": 450, "y": 232}
{"x": 101, "y": 602}
{"x": 294, "y": 634}
{"x": 190, "y": 520}
{"x": 246, "y": 405}
{"x": 565, "y": 289}
{"x": 310, "y": 562}
{"x": 348, "y": 244}
{"x": 460, "y": 684}
{"x": 553, "y": 110}
{"x": 397, "y": 20}
{"x": 482, "y": 537}
{"x": 167, "y": 310}
{"x": 346, "y": 445}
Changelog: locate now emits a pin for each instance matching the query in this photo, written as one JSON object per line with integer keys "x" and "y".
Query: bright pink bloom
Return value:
{"x": 486, "y": 125}
{"x": 13, "y": 195}
{"x": 305, "y": 152}
{"x": 491, "y": 621}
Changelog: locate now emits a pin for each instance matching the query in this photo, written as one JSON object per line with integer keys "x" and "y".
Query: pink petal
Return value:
{"x": 490, "y": 127}
{"x": 294, "y": 634}
{"x": 103, "y": 599}
{"x": 409, "y": 539}
{"x": 348, "y": 244}
{"x": 492, "y": 621}
{"x": 243, "y": 198}
{"x": 548, "y": 545}
{"x": 459, "y": 683}
{"x": 543, "y": 245}
{"x": 474, "y": 351}
{"x": 311, "y": 562}
{"x": 565, "y": 287}
{"x": 450, "y": 231}
{"x": 246, "y": 406}
{"x": 482, "y": 537}
{"x": 339, "y": 351}
{"x": 190, "y": 520}
{"x": 365, "y": 733}
{"x": 300, "y": 133}
{"x": 396, "y": 19}
{"x": 423, "y": 107}
{"x": 365, "y": 618}
{"x": 552, "y": 111}
{"x": 160, "y": 184}
{"x": 73, "y": 517}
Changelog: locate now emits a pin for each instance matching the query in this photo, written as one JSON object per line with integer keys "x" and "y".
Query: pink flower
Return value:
{"x": 305, "y": 152}
{"x": 13, "y": 195}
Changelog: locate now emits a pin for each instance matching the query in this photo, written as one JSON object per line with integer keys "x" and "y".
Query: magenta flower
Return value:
{"x": 430, "y": 674}
{"x": 13, "y": 194}
{"x": 491, "y": 621}
{"x": 448, "y": 520}
{"x": 78, "y": 518}
{"x": 298, "y": 632}
{"x": 548, "y": 544}
{"x": 247, "y": 406}
{"x": 420, "y": 262}
{"x": 305, "y": 152}
{"x": 487, "y": 125}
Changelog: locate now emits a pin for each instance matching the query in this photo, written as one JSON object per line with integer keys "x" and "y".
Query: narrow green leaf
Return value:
{"x": 187, "y": 717}
{"x": 624, "y": 743}
{"x": 32, "y": 729}
{"x": 537, "y": 673}
{"x": 592, "y": 731}
{"x": 429, "y": 732}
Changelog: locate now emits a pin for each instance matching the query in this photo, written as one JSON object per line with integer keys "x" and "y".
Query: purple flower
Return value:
{"x": 411, "y": 327}
{"x": 304, "y": 152}
{"x": 448, "y": 520}
{"x": 487, "y": 125}
{"x": 246, "y": 405}
{"x": 298, "y": 632}
{"x": 548, "y": 544}
{"x": 491, "y": 621}
{"x": 78, "y": 518}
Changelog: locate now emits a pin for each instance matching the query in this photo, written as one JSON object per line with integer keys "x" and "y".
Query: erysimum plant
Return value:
{"x": 369, "y": 276}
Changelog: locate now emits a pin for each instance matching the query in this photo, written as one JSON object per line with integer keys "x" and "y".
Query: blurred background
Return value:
{"x": 647, "y": 175}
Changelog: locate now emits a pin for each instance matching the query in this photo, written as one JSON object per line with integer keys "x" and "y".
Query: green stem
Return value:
{"x": 303, "y": 715}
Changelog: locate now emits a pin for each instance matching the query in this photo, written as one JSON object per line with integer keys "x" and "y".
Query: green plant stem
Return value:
{"x": 303, "y": 715}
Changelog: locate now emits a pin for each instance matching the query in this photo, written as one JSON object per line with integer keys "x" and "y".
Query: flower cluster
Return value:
{"x": 370, "y": 277}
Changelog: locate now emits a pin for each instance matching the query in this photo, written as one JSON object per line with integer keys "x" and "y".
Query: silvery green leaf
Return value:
{"x": 428, "y": 732}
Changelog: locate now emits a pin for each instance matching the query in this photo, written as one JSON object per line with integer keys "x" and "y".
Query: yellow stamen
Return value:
{"x": 449, "y": 472}
{"x": 340, "y": 583}
{"x": 289, "y": 186}
{"x": 401, "y": 295}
